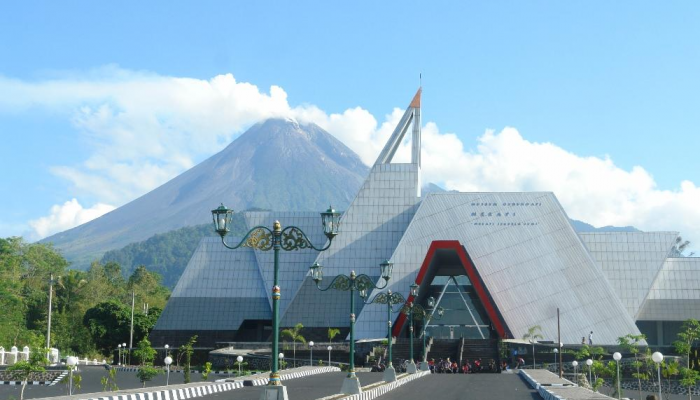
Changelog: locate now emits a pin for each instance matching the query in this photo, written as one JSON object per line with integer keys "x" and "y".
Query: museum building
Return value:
{"x": 497, "y": 263}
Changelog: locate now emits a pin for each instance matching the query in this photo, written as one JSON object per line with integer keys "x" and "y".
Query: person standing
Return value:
{"x": 590, "y": 339}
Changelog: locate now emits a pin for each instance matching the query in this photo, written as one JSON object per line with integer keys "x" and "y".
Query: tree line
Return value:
{"x": 91, "y": 310}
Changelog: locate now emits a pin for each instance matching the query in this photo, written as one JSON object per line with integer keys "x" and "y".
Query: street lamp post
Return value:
{"x": 617, "y": 357}
{"x": 71, "y": 361}
{"x": 658, "y": 358}
{"x": 124, "y": 352}
{"x": 168, "y": 360}
{"x": 414, "y": 311}
{"x": 430, "y": 315}
{"x": 390, "y": 299}
{"x": 276, "y": 239}
{"x": 575, "y": 365}
{"x": 311, "y": 355}
{"x": 119, "y": 354}
{"x": 556, "y": 351}
{"x": 329, "y": 348}
{"x": 352, "y": 283}
{"x": 239, "y": 359}
{"x": 589, "y": 362}
{"x": 167, "y": 350}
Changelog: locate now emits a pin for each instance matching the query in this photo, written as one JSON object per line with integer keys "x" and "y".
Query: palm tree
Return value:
{"x": 679, "y": 247}
{"x": 533, "y": 333}
{"x": 295, "y": 335}
{"x": 332, "y": 332}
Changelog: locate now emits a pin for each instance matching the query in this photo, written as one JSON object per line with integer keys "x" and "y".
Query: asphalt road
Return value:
{"x": 91, "y": 383}
{"x": 459, "y": 387}
{"x": 307, "y": 388}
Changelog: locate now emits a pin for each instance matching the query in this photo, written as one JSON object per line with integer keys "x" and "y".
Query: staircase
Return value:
{"x": 484, "y": 349}
{"x": 445, "y": 348}
{"x": 401, "y": 349}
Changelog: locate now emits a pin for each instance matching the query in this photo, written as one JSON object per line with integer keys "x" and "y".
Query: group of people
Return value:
{"x": 451, "y": 367}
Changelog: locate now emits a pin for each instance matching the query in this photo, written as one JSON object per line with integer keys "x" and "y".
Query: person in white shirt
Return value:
{"x": 590, "y": 339}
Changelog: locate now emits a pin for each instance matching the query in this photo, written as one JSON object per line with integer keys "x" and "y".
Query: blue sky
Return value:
{"x": 613, "y": 82}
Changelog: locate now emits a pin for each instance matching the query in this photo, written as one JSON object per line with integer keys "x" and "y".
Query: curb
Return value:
{"x": 172, "y": 394}
{"x": 293, "y": 375}
{"x": 384, "y": 389}
{"x": 172, "y": 371}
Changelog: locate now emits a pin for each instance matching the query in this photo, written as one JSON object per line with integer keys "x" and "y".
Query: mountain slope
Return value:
{"x": 276, "y": 164}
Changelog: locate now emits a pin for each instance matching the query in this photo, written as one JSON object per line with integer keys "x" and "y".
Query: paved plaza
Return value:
{"x": 471, "y": 386}
{"x": 310, "y": 387}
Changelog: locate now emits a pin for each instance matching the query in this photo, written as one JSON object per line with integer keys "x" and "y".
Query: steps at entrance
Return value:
{"x": 444, "y": 348}
{"x": 401, "y": 349}
{"x": 484, "y": 349}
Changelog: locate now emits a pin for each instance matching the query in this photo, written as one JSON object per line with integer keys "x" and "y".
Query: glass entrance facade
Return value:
{"x": 464, "y": 315}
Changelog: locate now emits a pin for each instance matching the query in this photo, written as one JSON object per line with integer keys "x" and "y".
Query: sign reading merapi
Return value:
{"x": 501, "y": 214}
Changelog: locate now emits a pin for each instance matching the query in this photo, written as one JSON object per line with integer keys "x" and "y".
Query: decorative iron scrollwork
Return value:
{"x": 294, "y": 238}
{"x": 342, "y": 282}
{"x": 418, "y": 311}
{"x": 363, "y": 282}
{"x": 259, "y": 238}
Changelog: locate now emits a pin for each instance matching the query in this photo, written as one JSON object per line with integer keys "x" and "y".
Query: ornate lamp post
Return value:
{"x": 352, "y": 283}
{"x": 390, "y": 299}
{"x": 429, "y": 315}
{"x": 276, "y": 239}
{"x": 414, "y": 311}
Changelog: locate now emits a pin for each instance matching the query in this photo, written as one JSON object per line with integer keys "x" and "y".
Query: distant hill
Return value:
{"x": 580, "y": 226}
{"x": 277, "y": 164}
{"x": 167, "y": 253}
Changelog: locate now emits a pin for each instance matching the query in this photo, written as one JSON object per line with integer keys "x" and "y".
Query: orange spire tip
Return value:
{"x": 415, "y": 103}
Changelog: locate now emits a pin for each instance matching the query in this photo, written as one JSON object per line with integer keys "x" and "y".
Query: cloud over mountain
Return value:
{"x": 145, "y": 129}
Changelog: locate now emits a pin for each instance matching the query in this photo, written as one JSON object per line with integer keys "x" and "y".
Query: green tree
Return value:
{"x": 689, "y": 334}
{"x": 533, "y": 333}
{"x": 146, "y": 373}
{"x": 631, "y": 344}
{"x": 144, "y": 352}
{"x": 679, "y": 247}
{"x": 187, "y": 350}
{"x": 295, "y": 335}
{"x": 668, "y": 371}
{"x": 109, "y": 323}
{"x": 689, "y": 378}
{"x": 109, "y": 382}
{"x": 26, "y": 368}
{"x": 206, "y": 371}
{"x": 332, "y": 333}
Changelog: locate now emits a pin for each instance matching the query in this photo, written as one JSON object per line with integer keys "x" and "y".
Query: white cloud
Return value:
{"x": 66, "y": 216}
{"x": 145, "y": 129}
